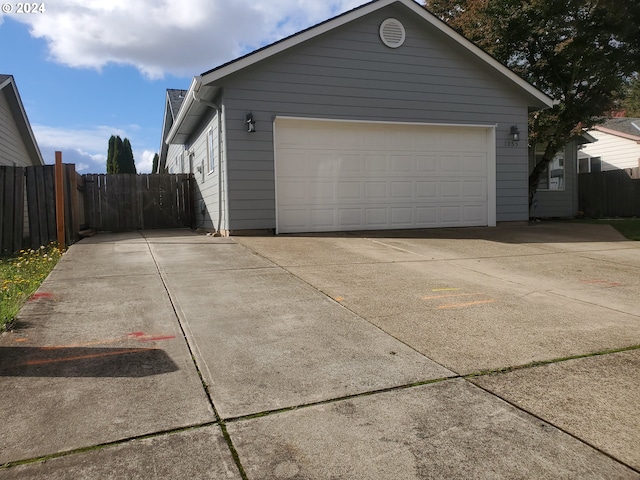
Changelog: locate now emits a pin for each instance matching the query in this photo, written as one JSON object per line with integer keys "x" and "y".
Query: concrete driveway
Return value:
{"x": 510, "y": 352}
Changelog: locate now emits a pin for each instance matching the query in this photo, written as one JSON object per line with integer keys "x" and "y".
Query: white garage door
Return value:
{"x": 338, "y": 176}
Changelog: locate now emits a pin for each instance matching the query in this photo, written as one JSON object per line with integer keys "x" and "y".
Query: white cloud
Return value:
{"x": 182, "y": 37}
{"x": 144, "y": 161}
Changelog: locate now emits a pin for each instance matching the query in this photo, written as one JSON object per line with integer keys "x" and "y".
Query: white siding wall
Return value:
{"x": 616, "y": 152}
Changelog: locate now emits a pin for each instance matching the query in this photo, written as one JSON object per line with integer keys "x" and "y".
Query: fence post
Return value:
{"x": 60, "y": 200}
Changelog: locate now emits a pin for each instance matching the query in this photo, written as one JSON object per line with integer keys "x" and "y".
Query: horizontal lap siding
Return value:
{"x": 349, "y": 74}
{"x": 12, "y": 147}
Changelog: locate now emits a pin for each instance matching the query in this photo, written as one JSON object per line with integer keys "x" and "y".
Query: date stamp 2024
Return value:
{"x": 19, "y": 8}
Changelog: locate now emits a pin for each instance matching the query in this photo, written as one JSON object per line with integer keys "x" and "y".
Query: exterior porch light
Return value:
{"x": 514, "y": 133}
{"x": 251, "y": 123}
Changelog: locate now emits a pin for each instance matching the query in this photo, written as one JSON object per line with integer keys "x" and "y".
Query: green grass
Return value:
{"x": 629, "y": 227}
{"x": 20, "y": 277}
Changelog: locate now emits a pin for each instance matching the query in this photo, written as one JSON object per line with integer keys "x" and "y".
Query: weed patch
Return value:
{"x": 20, "y": 277}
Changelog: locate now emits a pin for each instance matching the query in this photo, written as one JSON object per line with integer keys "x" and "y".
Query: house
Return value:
{"x": 617, "y": 146}
{"x": 173, "y": 102}
{"x": 18, "y": 146}
{"x": 380, "y": 118}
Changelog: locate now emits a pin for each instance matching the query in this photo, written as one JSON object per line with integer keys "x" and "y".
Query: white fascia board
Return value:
{"x": 184, "y": 109}
{"x": 278, "y": 47}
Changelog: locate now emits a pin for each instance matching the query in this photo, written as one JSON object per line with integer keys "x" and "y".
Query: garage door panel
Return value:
{"x": 351, "y": 176}
{"x": 376, "y": 164}
{"x": 349, "y": 191}
{"x": 376, "y": 217}
{"x": 427, "y": 190}
{"x": 427, "y": 163}
{"x": 376, "y": 191}
{"x": 323, "y": 217}
{"x": 349, "y": 217}
{"x": 402, "y": 217}
{"x": 426, "y": 216}
{"x": 321, "y": 191}
{"x": 402, "y": 190}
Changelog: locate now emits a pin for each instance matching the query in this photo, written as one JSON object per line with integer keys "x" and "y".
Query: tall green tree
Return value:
{"x": 154, "y": 168}
{"x": 128, "y": 164}
{"x": 110, "y": 154}
{"x": 579, "y": 52}
{"x": 120, "y": 156}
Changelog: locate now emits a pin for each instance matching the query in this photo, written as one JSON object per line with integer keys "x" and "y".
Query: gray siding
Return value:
{"x": 560, "y": 203}
{"x": 349, "y": 74}
{"x": 207, "y": 182}
{"x": 12, "y": 147}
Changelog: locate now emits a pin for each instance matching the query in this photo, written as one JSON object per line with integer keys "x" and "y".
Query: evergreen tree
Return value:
{"x": 154, "y": 168}
{"x": 117, "y": 155}
{"x": 110, "y": 154}
{"x": 128, "y": 162}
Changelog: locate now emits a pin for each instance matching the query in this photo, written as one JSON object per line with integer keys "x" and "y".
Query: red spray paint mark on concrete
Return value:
{"x": 39, "y": 295}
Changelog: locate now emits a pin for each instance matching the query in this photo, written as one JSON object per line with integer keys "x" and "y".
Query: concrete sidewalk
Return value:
{"x": 167, "y": 354}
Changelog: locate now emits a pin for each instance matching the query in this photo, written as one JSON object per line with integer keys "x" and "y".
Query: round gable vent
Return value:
{"x": 392, "y": 33}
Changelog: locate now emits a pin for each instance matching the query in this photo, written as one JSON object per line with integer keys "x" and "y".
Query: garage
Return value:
{"x": 334, "y": 175}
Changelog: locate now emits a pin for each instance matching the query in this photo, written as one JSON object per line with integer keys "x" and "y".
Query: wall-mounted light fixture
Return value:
{"x": 514, "y": 133}
{"x": 251, "y": 123}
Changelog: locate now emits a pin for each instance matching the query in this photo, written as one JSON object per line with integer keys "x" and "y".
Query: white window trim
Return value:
{"x": 564, "y": 173}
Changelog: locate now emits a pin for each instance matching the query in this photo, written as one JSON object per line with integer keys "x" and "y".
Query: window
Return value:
{"x": 553, "y": 176}
{"x": 178, "y": 163}
{"x": 211, "y": 150}
{"x": 590, "y": 165}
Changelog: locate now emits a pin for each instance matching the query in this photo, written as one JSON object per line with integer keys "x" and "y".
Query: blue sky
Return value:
{"x": 86, "y": 71}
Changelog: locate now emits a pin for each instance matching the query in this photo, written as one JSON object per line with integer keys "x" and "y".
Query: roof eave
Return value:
{"x": 211, "y": 77}
{"x": 23, "y": 122}
{"x": 617, "y": 133}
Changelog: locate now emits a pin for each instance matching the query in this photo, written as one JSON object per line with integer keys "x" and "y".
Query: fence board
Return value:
{"x": 120, "y": 202}
{"x": 11, "y": 209}
{"x": 614, "y": 193}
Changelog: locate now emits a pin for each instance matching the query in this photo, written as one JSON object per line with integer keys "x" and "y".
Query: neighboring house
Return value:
{"x": 171, "y": 155}
{"x": 557, "y": 193}
{"x": 617, "y": 146}
{"x": 18, "y": 146}
{"x": 383, "y": 117}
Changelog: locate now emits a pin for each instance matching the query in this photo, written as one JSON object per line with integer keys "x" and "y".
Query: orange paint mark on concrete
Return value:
{"x": 21, "y": 340}
{"x": 468, "y": 304}
{"x": 448, "y": 295}
{"x": 85, "y": 357}
{"x": 339, "y": 299}
{"x": 157, "y": 338}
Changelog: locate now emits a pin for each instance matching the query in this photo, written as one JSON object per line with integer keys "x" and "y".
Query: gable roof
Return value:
{"x": 624, "y": 127}
{"x": 209, "y": 78}
{"x": 9, "y": 88}
{"x": 173, "y": 102}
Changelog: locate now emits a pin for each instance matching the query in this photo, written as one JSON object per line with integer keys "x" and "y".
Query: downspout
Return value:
{"x": 219, "y": 115}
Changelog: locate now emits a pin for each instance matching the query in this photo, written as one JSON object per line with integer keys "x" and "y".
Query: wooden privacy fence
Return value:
{"x": 28, "y": 206}
{"x": 29, "y": 216}
{"x": 122, "y": 202}
{"x": 615, "y": 193}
